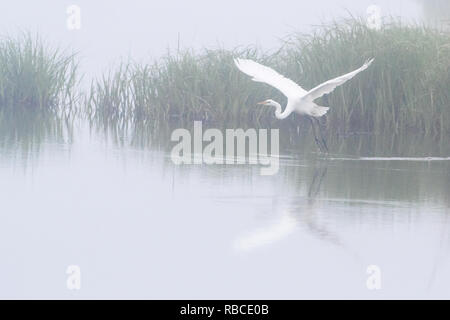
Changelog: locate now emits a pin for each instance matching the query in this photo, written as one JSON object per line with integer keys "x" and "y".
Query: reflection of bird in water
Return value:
{"x": 297, "y": 214}
{"x": 300, "y": 100}
{"x": 310, "y": 215}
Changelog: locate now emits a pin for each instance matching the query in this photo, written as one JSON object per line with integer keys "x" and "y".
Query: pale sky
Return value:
{"x": 111, "y": 29}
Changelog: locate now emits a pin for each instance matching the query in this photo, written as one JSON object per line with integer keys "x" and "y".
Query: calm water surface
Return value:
{"x": 141, "y": 227}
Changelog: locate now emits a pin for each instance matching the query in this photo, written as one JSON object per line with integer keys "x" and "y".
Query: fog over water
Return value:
{"x": 141, "y": 29}
{"x": 139, "y": 226}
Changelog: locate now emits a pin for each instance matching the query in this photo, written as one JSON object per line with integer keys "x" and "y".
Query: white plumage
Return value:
{"x": 300, "y": 100}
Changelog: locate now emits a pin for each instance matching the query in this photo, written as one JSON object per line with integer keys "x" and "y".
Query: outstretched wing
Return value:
{"x": 269, "y": 76}
{"x": 330, "y": 85}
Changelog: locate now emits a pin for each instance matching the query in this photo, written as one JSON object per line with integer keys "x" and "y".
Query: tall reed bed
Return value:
{"x": 182, "y": 85}
{"x": 35, "y": 76}
{"x": 407, "y": 88}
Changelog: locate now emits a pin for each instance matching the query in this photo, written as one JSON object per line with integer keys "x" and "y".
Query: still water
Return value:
{"x": 140, "y": 227}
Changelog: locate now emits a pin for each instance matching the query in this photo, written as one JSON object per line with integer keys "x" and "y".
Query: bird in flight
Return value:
{"x": 300, "y": 100}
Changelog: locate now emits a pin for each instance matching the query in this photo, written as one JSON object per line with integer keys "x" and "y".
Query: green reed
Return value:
{"x": 407, "y": 88}
{"x": 35, "y": 76}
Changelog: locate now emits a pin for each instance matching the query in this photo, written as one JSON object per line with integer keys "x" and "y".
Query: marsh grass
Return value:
{"x": 35, "y": 76}
{"x": 180, "y": 85}
{"x": 407, "y": 88}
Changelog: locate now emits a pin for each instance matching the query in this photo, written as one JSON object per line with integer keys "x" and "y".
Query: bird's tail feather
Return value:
{"x": 319, "y": 111}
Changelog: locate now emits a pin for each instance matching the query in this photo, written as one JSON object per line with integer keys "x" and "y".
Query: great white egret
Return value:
{"x": 300, "y": 100}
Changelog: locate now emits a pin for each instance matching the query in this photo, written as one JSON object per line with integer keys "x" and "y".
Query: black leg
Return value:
{"x": 316, "y": 137}
{"x": 314, "y": 188}
{"x": 324, "y": 142}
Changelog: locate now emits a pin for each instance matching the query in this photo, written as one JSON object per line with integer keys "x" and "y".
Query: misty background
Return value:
{"x": 132, "y": 220}
{"x": 115, "y": 29}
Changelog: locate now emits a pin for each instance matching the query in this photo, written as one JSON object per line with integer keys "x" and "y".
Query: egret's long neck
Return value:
{"x": 278, "y": 114}
{"x": 277, "y": 109}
